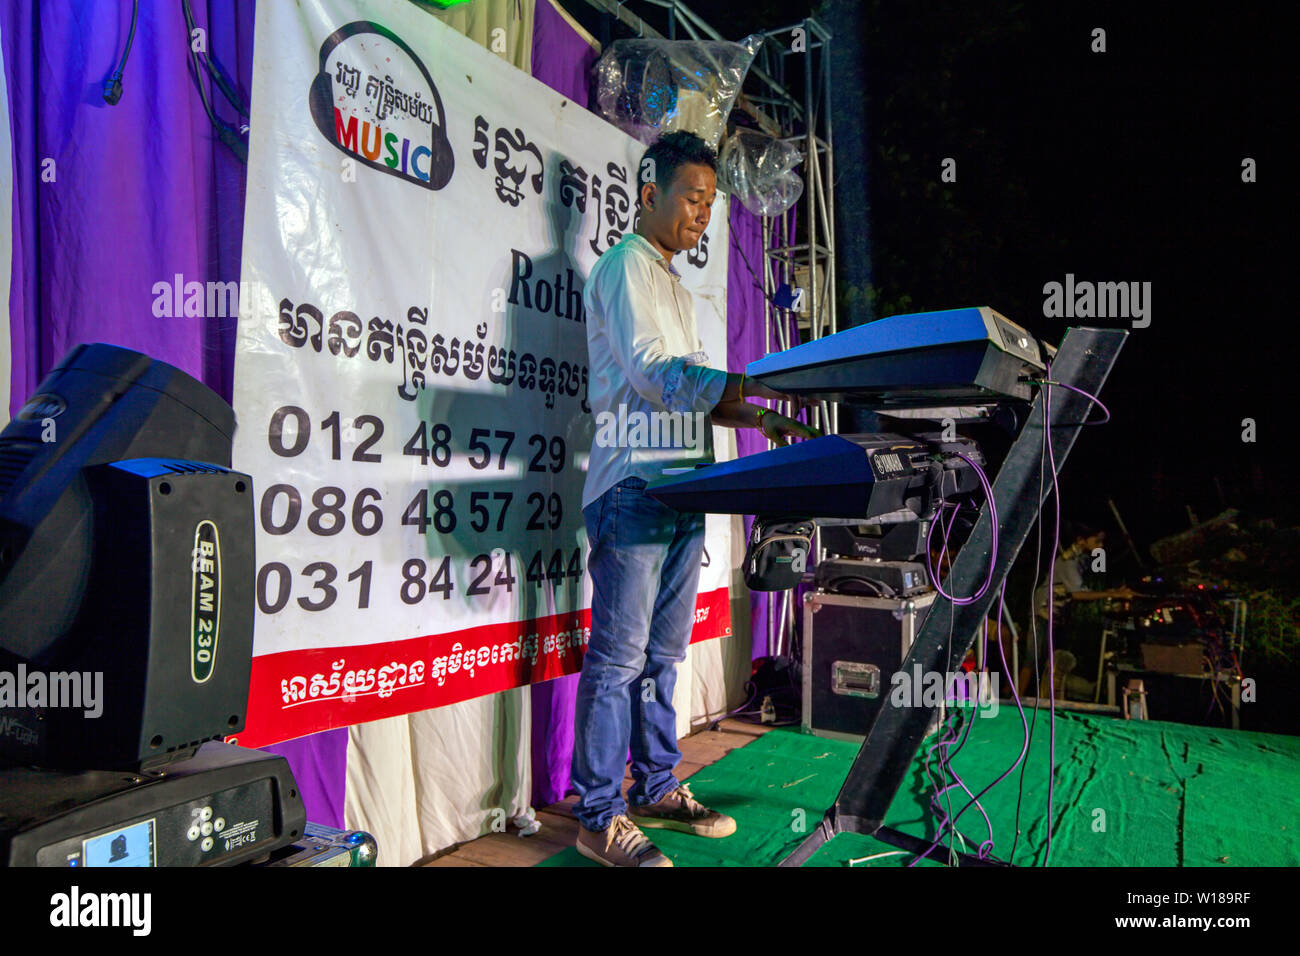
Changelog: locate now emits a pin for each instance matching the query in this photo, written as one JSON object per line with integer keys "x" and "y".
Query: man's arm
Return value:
{"x": 736, "y": 414}
{"x": 774, "y": 426}
{"x": 676, "y": 382}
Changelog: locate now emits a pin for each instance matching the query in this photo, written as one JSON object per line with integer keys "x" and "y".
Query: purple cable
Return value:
{"x": 948, "y": 821}
{"x": 935, "y": 806}
{"x": 1051, "y": 606}
{"x": 1051, "y": 651}
{"x": 1024, "y": 747}
{"x": 1090, "y": 397}
{"x": 987, "y": 487}
{"x": 993, "y": 517}
{"x": 1015, "y": 694}
{"x": 975, "y": 798}
{"x": 946, "y": 739}
{"x": 986, "y": 847}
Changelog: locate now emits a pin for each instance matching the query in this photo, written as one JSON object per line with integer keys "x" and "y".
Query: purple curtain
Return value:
{"x": 109, "y": 200}
{"x": 113, "y": 199}
{"x": 745, "y": 343}
{"x": 18, "y": 24}
{"x": 562, "y": 59}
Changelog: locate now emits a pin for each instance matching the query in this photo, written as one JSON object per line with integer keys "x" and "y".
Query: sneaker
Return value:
{"x": 620, "y": 844}
{"x": 679, "y": 810}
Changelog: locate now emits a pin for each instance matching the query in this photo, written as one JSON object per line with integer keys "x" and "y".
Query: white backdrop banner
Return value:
{"x": 411, "y": 370}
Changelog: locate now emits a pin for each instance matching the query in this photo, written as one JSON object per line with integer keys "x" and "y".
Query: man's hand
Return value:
{"x": 779, "y": 429}
{"x": 755, "y": 389}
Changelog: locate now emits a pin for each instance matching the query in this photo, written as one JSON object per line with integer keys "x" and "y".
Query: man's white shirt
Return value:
{"x": 645, "y": 358}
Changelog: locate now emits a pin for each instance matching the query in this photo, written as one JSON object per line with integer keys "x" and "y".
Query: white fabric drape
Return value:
{"x": 503, "y": 26}
{"x": 423, "y": 782}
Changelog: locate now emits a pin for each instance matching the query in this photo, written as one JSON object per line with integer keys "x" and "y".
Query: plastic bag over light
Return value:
{"x": 650, "y": 87}
{"x": 759, "y": 171}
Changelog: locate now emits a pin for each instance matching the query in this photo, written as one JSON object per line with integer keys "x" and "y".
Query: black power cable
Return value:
{"x": 113, "y": 85}
{"x": 230, "y": 135}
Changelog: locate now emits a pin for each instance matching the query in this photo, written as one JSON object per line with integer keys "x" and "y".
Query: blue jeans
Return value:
{"x": 645, "y": 571}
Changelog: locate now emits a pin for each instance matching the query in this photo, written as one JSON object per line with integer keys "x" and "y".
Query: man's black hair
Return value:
{"x": 670, "y": 152}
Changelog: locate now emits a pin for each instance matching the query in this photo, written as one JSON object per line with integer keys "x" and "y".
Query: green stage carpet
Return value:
{"x": 1126, "y": 793}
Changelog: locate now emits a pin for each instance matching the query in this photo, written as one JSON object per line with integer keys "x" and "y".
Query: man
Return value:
{"x": 1077, "y": 547}
{"x": 645, "y": 361}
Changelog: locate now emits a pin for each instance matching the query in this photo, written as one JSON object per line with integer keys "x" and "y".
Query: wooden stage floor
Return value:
{"x": 560, "y": 828}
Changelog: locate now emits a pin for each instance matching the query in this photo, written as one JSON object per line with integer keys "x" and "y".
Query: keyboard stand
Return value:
{"x": 1085, "y": 359}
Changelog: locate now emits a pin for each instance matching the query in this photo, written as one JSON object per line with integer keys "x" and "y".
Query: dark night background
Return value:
{"x": 1115, "y": 166}
{"x": 1121, "y": 166}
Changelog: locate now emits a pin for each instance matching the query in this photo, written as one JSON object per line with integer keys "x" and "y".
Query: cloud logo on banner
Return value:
{"x": 376, "y": 102}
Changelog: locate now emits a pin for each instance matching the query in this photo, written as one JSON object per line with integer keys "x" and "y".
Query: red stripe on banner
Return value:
{"x": 295, "y": 693}
{"x": 712, "y": 615}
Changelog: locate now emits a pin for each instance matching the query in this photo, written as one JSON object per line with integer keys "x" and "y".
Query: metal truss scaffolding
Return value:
{"x": 793, "y": 79}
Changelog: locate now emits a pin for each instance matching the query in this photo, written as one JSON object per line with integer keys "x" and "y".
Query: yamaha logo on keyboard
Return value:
{"x": 886, "y": 462}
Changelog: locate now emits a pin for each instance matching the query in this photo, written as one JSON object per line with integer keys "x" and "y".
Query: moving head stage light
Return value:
{"x": 126, "y": 550}
{"x": 126, "y": 561}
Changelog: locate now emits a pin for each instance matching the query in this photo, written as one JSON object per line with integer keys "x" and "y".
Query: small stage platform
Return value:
{"x": 1126, "y": 793}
